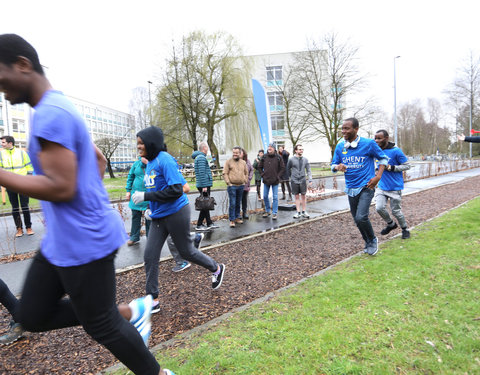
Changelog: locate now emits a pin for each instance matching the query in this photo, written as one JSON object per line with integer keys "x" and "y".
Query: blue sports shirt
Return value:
{"x": 393, "y": 180}
{"x": 159, "y": 174}
{"x": 360, "y": 161}
{"x": 86, "y": 228}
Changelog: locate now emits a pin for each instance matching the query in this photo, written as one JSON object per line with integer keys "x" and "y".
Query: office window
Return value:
{"x": 275, "y": 100}
{"x": 274, "y": 76}
{"x": 278, "y": 125}
{"x": 18, "y": 126}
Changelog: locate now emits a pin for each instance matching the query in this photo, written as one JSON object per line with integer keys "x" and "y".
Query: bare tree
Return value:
{"x": 329, "y": 74}
{"x": 297, "y": 122}
{"x": 204, "y": 84}
{"x": 464, "y": 95}
{"x": 108, "y": 146}
{"x": 139, "y": 107}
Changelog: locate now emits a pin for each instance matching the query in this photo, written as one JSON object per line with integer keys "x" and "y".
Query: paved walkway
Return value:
{"x": 14, "y": 273}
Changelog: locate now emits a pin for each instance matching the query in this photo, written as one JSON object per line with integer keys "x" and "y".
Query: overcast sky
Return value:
{"x": 100, "y": 50}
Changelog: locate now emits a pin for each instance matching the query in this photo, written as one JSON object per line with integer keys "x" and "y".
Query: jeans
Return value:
{"x": 204, "y": 214}
{"x": 137, "y": 225}
{"x": 92, "y": 304}
{"x": 266, "y": 189}
{"x": 234, "y": 198}
{"x": 14, "y": 198}
{"x": 245, "y": 203}
{"x": 381, "y": 198}
{"x": 360, "y": 207}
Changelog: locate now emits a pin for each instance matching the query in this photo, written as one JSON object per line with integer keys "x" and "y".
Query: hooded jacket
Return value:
{"x": 203, "y": 174}
{"x": 163, "y": 180}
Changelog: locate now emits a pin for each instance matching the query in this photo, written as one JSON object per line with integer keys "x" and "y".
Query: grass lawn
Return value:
{"x": 412, "y": 309}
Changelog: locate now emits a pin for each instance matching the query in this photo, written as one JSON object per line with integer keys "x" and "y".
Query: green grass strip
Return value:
{"x": 413, "y": 309}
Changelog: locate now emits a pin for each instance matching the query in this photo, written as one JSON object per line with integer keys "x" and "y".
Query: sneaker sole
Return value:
{"x": 221, "y": 279}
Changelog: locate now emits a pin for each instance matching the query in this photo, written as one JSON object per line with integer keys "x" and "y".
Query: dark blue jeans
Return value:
{"x": 360, "y": 208}
{"x": 235, "y": 198}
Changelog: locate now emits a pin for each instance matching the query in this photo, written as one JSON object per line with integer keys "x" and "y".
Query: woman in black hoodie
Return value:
{"x": 169, "y": 211}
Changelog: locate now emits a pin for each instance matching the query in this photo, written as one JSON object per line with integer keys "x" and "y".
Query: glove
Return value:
{"x": 147, "y": 214}
{"x": 138, "y": 197}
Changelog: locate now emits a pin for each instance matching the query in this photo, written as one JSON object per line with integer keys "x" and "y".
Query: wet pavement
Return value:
{"x": 13, "y": 273}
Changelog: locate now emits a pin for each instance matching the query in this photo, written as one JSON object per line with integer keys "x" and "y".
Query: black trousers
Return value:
{"x": 204, "y": 214}
{"x": 92, "y": 304}
{"x": 14, "y": 198}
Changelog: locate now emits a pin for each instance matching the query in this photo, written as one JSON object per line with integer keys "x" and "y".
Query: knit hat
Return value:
{"x": 272, "y": 145}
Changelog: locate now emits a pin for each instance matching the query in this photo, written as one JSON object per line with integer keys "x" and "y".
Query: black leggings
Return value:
{"x": 7, "y": 299}
{"x": 92, "y": 304}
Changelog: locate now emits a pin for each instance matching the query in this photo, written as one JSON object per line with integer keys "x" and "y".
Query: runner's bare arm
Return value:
{"x": 101, "y": 160}
{"x": 59, "y": 179}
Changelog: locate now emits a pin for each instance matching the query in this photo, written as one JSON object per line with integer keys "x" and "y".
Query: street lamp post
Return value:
{"x": 395, "y": 99}
{"x": 150, "y": 102}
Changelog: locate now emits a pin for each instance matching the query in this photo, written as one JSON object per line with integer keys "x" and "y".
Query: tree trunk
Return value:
{"x": 213, "y": 147}
{"x": 109, "y": 168}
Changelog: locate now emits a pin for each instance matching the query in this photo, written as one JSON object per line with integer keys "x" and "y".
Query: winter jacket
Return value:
{"x": 258, "y": 176}
{"x": 203, "y": 174}
{"x": 285, "y": 156}
{"x": 250, "y": 175}
{"x": 235, "y": 172}
{"x": 271, "y": 168}
{"x": 135, "y": 183}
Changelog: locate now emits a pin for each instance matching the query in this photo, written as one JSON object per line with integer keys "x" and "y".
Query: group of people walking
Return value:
{"x": 84, "y": 233}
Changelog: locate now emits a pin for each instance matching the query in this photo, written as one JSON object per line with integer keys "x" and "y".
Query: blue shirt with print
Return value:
{"x": 393, "y": 180}
{"x": 360, "y": 161}
{"x": 85, "y": 228}
{"x": 159, "y": 174}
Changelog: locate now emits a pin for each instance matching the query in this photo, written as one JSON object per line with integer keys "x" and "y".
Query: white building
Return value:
{"x": 101, "y": 122}
{"x": 269, "y": 71}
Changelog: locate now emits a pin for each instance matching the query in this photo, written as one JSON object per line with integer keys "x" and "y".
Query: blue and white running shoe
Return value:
{"x": 141, "y": 311}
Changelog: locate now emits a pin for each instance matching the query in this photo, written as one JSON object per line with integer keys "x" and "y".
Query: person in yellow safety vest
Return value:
{"x": 17, "y": 161}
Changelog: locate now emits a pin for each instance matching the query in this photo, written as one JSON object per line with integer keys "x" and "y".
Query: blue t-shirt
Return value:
{"x": 160, "y": 173}
{"x": 360, "y": 161}
{"x": 86, "y": 228}
{"x": 393, "y": 180}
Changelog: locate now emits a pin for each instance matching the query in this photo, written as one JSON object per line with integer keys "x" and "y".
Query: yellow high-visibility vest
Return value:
{"x": 16, "y": 161}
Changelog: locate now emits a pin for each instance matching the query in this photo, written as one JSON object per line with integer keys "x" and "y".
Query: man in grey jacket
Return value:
{"x": 296, "y": 168}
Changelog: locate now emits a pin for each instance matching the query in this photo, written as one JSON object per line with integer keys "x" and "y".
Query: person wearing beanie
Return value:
{"x": 271, "y": 168}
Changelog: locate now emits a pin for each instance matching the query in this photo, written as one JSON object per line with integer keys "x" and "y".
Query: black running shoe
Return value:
{"x": 388, "y": 229}
{"x": 405, "y": 234}
{"x": 218, "y": 278}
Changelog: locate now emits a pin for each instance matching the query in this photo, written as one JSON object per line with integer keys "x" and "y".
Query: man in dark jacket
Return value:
{"x": 271, "y": 168}
{"x": 285, "y": 178}
{"x": 204, "y": 181}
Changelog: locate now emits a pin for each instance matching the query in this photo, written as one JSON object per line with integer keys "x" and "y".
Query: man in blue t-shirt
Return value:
{"x": 355, "y": 156}
{"x": 391, "y": 185}
{"x": 169, "y": 211}
{"x": 76, "y": 256}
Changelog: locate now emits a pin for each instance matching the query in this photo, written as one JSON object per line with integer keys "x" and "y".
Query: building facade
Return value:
{"x": 269, "y": 70}
{"x": 102, "y": 122}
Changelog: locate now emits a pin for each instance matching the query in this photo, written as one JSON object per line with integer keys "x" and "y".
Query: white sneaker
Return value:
{"x": 298, "y": 215}
{"x": 141, "y": 311}
{"x": 305, "y": 214}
